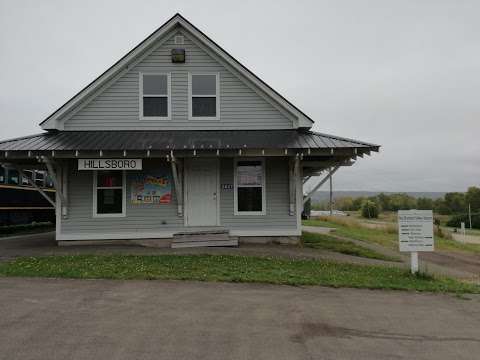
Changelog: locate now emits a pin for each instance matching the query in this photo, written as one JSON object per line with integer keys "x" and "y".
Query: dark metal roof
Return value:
{"x": 185, "y": 139}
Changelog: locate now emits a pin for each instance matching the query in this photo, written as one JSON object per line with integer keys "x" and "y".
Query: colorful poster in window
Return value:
{"x": 249, "y": 173}
{"x": 153, "y": 189}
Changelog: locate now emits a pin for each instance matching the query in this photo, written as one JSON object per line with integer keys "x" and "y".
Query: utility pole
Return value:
{"x": 470, "y": 215}
{"x": 331, "y": 192}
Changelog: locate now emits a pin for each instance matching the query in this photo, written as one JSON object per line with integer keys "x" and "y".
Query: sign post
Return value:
{"x": 464, "y": 234}
{"x": 415, "y": 233}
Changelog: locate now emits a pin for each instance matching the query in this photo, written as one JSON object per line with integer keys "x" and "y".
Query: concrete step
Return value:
{"x": 232, "y": 241}
{"x": 201, "y": 237}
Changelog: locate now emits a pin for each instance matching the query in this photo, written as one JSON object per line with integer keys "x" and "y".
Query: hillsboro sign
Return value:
{"x": 109, "y": 164}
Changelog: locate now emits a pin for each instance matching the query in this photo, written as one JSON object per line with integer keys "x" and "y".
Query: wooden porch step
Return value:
{"x": 203, "y": 238}
{"x": 198, "y": 243}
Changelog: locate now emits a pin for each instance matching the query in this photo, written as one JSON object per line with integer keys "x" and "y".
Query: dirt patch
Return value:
{"x": 464, "y": 262}
{"x": 311, "y": 330}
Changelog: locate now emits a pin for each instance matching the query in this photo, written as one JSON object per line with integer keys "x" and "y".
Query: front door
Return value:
{"x": 201, "y": 192}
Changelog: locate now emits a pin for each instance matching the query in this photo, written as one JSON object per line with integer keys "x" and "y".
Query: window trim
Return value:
{"x": 141, "y": 96}
{"x": 124, "y": 197}
{"x": 217, "y": 97}
{"x": 235, "y": 188}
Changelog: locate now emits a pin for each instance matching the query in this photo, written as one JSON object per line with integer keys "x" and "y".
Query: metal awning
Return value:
{"x": 181, "y": 140}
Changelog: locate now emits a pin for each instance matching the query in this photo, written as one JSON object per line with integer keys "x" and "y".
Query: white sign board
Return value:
{"x": 415, "y": 230}
{"x": 109, "y": 164}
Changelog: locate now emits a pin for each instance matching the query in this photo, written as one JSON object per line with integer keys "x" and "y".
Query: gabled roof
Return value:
{"x": 177, "y": 20}
{"x": 181, "y": 140}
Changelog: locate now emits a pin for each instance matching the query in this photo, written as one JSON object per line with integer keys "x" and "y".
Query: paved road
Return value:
{"x": 100, "y": 319}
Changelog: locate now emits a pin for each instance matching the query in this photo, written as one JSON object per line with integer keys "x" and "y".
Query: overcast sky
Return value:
{"x": 402, "y": 74}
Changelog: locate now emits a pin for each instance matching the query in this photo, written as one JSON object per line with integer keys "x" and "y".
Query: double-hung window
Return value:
{"x": 154, "y": 99}
{"x": 204, "y": 100}
{"x": 109, "y": 193}
{"x": 249, "y": 196}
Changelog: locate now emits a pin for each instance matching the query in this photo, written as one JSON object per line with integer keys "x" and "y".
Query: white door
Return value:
{"x": 201, "y": 192}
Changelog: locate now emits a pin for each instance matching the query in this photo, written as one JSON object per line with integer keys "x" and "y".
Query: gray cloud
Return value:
{"x": 404, "y": 74}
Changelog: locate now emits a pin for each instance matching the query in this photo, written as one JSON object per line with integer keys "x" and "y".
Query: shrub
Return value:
{"x": 370, "y": 209}
{"x": 457, "y": 219}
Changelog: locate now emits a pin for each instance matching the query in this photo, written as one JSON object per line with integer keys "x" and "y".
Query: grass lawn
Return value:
{"x": 388, "y": 237}
{"x": 231, "y": 269}
{"x": 327, "y": 242}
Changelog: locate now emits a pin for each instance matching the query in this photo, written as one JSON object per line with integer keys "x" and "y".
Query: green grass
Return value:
{"x": 385, "y": 237}
{"x": 230, "y": 269}
{"x": 377, "y": 236}
{"x": 328, "y": 242}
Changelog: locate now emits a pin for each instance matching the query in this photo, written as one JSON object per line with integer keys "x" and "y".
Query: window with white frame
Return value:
{"x": 249, "y": 189}
{"x": 155, "y": 96}
{"x": 204, "y": 96}
{"x": 109, "y": 193}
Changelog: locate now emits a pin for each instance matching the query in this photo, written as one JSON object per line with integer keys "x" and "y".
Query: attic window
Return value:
{"x": 204, "y": 96}
{"x": 154, "y": 96}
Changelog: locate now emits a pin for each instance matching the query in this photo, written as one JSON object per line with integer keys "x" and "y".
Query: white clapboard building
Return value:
{"x": 178, "y": 144}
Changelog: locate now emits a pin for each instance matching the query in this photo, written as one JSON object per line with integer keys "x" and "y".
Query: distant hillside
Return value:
{"x": 324, "y": 195}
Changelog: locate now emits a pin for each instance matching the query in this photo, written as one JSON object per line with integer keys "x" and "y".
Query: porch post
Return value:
{"x": 293, "y": 172}
{"x": 177, "y": 173}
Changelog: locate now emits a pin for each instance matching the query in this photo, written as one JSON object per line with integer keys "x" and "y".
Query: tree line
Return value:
{"x": 455, "y": 204}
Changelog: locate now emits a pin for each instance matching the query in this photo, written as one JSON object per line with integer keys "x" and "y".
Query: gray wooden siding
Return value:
{"x": 277, "y": 199}
{"x": 139, "y": 218}
{"x": 152, "y": 218}
{"x": 117, "y": 108}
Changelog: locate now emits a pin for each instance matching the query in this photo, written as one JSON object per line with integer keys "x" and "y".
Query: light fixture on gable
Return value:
{"x": 178, "y": 55}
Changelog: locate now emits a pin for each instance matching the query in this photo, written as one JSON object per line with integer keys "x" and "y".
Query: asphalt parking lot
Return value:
{"x": 103, "y": 319}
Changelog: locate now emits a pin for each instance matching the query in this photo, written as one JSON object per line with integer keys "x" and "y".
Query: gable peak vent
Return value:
{"x": 179, "y": 40}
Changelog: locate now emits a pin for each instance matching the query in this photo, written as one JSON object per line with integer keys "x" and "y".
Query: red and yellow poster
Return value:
{"x": 151, "y": 189}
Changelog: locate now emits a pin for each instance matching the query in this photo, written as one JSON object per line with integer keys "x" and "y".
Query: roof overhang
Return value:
{"x": 316, "y": 151}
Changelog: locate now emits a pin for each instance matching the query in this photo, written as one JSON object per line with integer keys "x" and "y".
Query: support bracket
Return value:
{"x": 60, "y": 188}
{"x": 320, "y": 183}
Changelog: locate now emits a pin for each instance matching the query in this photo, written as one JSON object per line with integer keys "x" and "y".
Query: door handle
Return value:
{"x": 215, "y": 195}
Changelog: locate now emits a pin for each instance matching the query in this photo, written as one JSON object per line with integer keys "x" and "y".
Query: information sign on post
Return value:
{"x": 415, "y": 233}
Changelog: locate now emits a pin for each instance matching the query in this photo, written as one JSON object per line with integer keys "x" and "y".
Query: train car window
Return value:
{"x": 13, "y": 177}
{"x": 2, "y": 175}
{"x": 39, "y": 179}
{"x": 28, "y": 174}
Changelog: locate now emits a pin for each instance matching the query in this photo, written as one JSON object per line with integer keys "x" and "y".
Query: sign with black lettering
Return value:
{"x": 109, "y": 164}
{"x": 415, "y": 230}
{"x": 227, "y": 186}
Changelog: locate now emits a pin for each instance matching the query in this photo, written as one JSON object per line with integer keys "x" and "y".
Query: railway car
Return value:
{"x": 20, "y": 202}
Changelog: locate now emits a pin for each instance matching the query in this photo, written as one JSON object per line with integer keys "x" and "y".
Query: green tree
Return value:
{"x": 455, "y": 202}
{"x": 402, "y": 202}
{"x": 384, "y": 201}
{"x": 440, "y": 207}
{"x": 472, "y": 197}
{"x": 424, "y": 203}
{"x": 357, "y": 203}
{"x": 370, "y": 209}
